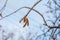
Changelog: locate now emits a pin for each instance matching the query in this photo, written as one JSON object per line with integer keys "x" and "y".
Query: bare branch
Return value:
{"x": 54, "y": 26}
{"x": 38, "y": 13}
{"x": 2, "y": 9}
{"x": 56, "y": 3}
{"x": 43, "y": 33}
{"x": 27, "y": 8}
{"x": 31, "y": 9}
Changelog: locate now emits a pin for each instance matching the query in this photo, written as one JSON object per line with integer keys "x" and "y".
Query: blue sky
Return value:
{"x": 11, "y": 23}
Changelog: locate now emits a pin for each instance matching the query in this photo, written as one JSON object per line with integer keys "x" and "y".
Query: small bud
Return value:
{"x": 0, "y": 14}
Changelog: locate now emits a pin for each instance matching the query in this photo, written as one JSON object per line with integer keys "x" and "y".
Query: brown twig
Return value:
{"x": 30, "y": 9}
{"x": 38, "y": 13}
{"x": 27, "y": 8}
{"x": 54, "y": 26}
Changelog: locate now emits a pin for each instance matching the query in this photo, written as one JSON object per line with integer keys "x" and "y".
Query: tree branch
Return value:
{"x": 27, "y": 8}
{"x": 54, "y": 26}
{"x": 30, "y": 9}
{"x": 4, "y": 6}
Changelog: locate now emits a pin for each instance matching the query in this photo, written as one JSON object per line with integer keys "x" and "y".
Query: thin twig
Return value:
{"x": 30, "y": 9}
{"x": 27, "y": 8}
{"x": 56, "y": 3}
{"x": 2, "y": 9}
{"x": 43, "y": 34}
{"x": 54, "y": 26}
